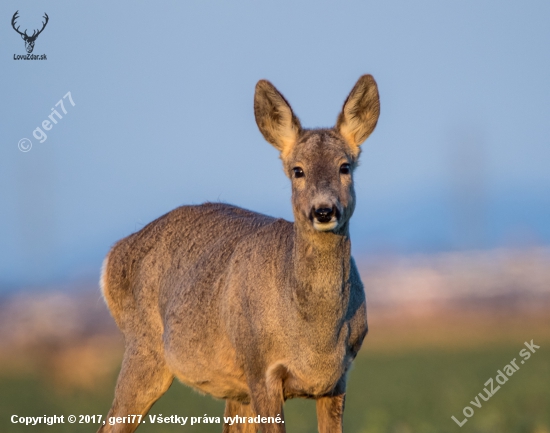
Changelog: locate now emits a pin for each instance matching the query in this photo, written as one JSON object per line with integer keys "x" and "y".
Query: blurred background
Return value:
{"x": 451, "y": 232}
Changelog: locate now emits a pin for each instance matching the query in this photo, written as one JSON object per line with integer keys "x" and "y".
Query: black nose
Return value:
{"x": 324, "y": 214}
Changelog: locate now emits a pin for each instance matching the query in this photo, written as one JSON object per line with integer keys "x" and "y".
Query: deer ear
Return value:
{"x": 360, "y": 112}
{"x": 274, "y": 117}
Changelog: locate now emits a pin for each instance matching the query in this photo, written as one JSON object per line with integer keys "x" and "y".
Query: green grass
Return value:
{"x": 392, "y": 392}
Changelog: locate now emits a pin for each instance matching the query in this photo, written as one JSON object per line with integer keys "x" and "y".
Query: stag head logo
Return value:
{"x": 29, "y": 40}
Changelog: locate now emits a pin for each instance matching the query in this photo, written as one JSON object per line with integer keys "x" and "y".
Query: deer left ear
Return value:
{"x": 275, "y": 118}
{"x": 360, "y": 112}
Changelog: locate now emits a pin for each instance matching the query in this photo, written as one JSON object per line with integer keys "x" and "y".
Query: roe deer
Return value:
{"x": 243, "y": 306}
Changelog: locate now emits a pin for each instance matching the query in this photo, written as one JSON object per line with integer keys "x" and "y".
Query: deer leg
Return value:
{"x": 330, "y": 410}
{"x": 267, "y": 401}
{"x": 142, "y": 380}
{"x": 234, "y": 408}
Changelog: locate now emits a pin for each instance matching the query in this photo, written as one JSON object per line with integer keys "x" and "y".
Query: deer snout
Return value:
{"x": 325, "y": 217}
{"x": 324, "y": 214}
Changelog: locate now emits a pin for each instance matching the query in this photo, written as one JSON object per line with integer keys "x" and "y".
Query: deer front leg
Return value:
{"x": 330, "y": 410}
{"x": 233, "y": 409}
{"x": 267, "y": 401}
{"x": 330, "y": 414}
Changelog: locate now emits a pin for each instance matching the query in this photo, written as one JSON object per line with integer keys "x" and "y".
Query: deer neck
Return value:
{"x": 321, "y": 271}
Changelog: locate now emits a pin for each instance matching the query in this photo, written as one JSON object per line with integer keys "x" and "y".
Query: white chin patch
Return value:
{"x": 325, "y": 227}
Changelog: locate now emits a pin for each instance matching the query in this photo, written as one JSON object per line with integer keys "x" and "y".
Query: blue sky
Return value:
{"x": 163, "y": 116}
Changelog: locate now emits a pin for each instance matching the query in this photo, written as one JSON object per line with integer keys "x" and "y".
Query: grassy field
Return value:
{"x": 392, "y": 388}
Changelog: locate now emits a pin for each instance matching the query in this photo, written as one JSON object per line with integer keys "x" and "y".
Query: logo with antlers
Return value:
{"x": 29, "y": 40}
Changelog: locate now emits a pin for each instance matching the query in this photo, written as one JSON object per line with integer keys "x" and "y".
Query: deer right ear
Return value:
{"x": 274, "y": 117}
{"x": 360, "y": 113}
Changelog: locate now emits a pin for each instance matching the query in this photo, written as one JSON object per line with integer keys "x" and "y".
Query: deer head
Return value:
{"x": 319, "y": 162}
{"x": 29, "y": 40}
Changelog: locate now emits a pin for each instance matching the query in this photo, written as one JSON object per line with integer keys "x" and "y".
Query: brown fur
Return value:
{"x": 242, "y": 306}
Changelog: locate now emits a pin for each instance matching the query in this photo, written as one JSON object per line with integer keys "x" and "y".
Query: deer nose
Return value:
{"x": 324, "y": 214}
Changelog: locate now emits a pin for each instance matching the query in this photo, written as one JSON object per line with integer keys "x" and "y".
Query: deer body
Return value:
{"x": 246, "y": 307}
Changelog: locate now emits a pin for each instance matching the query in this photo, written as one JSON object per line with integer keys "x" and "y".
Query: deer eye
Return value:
{"x": 345, "y": 169}
{"x": 298, "y": 172}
